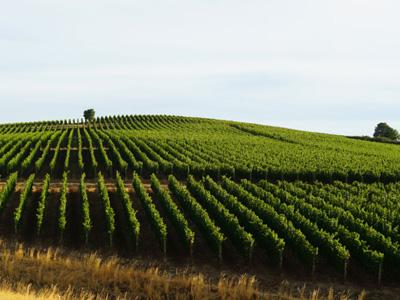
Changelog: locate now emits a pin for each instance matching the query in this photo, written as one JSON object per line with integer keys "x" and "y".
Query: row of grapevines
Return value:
{"x": 169, "y": 163}
{"x": 278, "y": 222}
{"x": 8, "y": 189}
{"x": 106, "y": 160}
{"x": 211, "y": 231}
{"x": 216, "y": 164}
{"x": 265, "y": 237}
{"x": 203, "y": 163}
{"x": 29, "y": 159}
{"x": 149, "y": 164}
{"x": 22, "y": 201}
{"x": 197, "y": 165}
{"x": 91, "y": 149}
{"x": 7, "y": 156}
{"x": 53, "y": 162}
{"x": 179, "y": 168}
{"x": 328, "y": 243}
{"x": 165, "y": 165}
{"x": 130, "y": 213}
{"x": 13, "y": 143}
{"x": 134, "y": 164}
{"x": 345, "y": 218}
{"x": 359, "y": 249}
{"x": 177, "y": 148}
{"x": 42, "y": 204}
{"x": 240, "y": 165}
{"x": 62, "y": 209}
{"x": 39, "y": 163}
{"x": 174, "y": 214}
{"x": 10, "y": 143}
{"x": 67, "y": 156}
{"x": 122, "y": 164}
{"x": 108, "y": 210}
{"x": 229, "y": 223}
{"x": 14, "y": 163}
{"x": 200, "y": 163}
{"x": 86, "y": 221}
{"x": 80, "y": 156}
{"x": 380, "y": 217}
{"x": 155, "y": 219}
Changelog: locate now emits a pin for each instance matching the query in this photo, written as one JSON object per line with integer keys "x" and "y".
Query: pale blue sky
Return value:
{"x": 329, "y": 66}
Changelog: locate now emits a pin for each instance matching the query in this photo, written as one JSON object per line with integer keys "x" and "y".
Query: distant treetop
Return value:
{"x": 89, "y": 114}
{"x": 383, "y": 130}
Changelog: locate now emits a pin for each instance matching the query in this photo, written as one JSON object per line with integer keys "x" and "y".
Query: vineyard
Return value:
{"x": 201, "y": 188}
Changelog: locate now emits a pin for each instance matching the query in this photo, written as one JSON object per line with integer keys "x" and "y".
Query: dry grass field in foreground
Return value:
{"x": 52, "y": 294}
{"x": 31, "y": 273}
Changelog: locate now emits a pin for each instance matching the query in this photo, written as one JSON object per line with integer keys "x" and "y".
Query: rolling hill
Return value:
{"x": 208, "y": 191}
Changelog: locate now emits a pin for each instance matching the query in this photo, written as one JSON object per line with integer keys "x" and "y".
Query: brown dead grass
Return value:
{"x": 31, "y": 273}
{"x": 22, "y": 292}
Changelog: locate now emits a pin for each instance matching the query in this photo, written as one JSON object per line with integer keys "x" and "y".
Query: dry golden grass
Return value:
{"x": 19, "y": 292}
{"x": 29, "y": 273}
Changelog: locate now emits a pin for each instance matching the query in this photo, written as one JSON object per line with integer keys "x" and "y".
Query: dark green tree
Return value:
{"x": 383, "y": 130}
{"x": 89, "y": 115}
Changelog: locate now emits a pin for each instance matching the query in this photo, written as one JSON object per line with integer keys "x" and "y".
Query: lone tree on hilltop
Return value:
{"x": 89, "y": 115}
{"x": 383, "y": 130}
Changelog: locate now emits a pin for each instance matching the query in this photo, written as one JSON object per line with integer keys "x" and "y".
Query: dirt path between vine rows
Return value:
{"x": 73, "y": 186}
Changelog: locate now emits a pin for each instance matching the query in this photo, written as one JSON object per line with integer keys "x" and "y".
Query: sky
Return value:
{"x": 326, "y": 66}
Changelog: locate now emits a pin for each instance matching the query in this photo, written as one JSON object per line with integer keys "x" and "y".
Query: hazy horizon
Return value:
{"x": 310, "y": 65}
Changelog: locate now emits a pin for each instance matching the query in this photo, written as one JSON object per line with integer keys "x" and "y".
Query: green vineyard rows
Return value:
{"x": 205, "y": 187}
